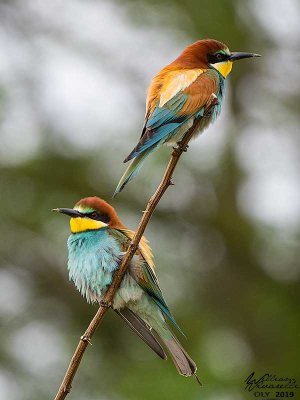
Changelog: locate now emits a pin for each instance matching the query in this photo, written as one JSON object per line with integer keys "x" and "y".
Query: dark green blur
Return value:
{"x": 215, "y": 262}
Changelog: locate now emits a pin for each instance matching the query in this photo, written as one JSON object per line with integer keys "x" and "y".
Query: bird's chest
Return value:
{"x": 220, "y": 97}
{"x": 211, "y": 116}
{"x": 93, "y": 256}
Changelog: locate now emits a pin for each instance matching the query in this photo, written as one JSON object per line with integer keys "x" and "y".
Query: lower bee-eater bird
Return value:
{"x": 186, "y": 94}
{"x": 97, "y": 243}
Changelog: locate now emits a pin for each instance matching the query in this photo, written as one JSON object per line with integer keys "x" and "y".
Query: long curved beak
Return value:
{"x": 68, "y": 211}
{"x": 240, "y": 55}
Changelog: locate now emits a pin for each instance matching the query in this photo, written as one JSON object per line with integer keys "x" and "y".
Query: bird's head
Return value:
{"x": 210, "y": 53}
{"x": 91, "y": 213}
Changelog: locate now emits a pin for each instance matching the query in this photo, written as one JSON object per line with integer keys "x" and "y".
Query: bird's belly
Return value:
{"x": 129, "y": 294}
{"x": 179, "y": 133}
{"x": 200, "y": 125}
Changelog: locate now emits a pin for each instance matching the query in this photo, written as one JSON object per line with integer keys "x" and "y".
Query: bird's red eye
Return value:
{"x": 219, "y": 57}
{"x": 94, "y": 215}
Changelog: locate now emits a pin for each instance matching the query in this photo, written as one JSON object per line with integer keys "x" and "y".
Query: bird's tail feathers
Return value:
{"x": 132, "y": 170}
{"x": 183, "y": 362}
{"x": 164, "y": 308}
{"x": 142, "y": 330}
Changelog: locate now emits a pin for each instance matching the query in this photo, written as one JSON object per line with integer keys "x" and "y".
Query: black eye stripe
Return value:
{"x": 217, "y": 57}
{"x": 98, "y": 216}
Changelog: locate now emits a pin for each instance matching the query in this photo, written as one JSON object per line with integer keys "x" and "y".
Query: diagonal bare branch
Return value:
{"x": 85, "y": 339}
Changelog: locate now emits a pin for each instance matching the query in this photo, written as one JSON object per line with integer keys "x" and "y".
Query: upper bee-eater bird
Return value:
{"x": 96, "y": 245}
{"x": 186, "y": 94}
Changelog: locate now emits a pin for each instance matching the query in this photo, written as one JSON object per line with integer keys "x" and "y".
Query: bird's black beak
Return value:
{"x": 240, "y": 55}
{"x": 68, "y": 211}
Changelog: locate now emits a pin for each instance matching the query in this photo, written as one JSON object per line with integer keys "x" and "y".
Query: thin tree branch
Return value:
{"x": 85, "y": 339}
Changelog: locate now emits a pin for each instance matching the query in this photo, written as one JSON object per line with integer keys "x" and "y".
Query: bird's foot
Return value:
{"x": 67, "y": 389}
{"x": 176, "y": 151}
{"x": 133, "y": 246}
{"x": 182, "y": 147}
{"x": 86, "y": 339}
{"x": 212, "y": 103}
{"x": 104, "y": 304}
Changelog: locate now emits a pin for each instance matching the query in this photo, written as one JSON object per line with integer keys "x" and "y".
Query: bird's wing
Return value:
{"x": 143, "y": 272}
{"x": 173, "y": 102}
{"x": 147, "y": 280}
{"x": 144, "y": 247}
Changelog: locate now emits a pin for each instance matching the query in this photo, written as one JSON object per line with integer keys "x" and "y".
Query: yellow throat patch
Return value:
{"x": 224, "y": 67}
{"x": 85, "y": 224}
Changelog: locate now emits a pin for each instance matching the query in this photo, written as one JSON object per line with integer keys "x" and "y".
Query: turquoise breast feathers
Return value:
{"x": 93, "y": 256}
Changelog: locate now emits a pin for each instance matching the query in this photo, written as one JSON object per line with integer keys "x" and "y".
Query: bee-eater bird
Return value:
{"x": 97, "y": 243}
{"x": 186, "y": 94}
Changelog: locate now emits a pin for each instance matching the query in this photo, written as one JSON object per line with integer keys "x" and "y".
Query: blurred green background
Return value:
{"x": 73, "y": 79}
